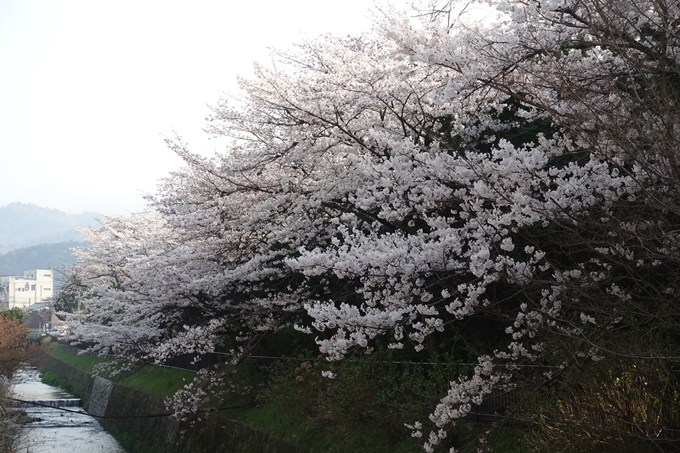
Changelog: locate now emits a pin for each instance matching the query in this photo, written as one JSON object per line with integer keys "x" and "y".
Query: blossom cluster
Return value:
{"x": 392, "y": 185}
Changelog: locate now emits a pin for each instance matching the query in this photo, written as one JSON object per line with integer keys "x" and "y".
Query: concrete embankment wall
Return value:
{"x": 127, "y": 410}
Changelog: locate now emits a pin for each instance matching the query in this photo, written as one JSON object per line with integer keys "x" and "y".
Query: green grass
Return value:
{"x": 156, "y": 380}
{"x": 264, "y": 417}
{"x": 85, "y": 362}
{"x": 149, "y": 378}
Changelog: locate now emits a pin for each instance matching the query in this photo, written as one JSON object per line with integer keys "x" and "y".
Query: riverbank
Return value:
{"x": 8, "y": 420}
{"x": 53, "y": 420}
{"x": 140, "y": 421}
{"x": 294, "y": 409}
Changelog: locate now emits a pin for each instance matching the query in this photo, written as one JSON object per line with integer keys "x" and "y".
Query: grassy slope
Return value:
{"x": 151, "y": 379}
{"x": 309, "y": 435}
{"x": 166, "y": 381}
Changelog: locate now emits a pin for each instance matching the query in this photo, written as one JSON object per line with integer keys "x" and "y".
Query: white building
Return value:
{"x": 35, "y": 286}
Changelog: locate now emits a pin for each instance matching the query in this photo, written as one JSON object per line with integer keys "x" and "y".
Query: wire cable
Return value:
{"x": 166, "y": 414}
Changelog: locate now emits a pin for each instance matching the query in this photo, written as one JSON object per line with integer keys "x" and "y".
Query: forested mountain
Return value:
{"x": 41, "y": 256}
{"x": 24, "y": 225}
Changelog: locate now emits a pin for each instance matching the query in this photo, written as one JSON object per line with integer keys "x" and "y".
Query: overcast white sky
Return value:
{"x": 89, "y": 88}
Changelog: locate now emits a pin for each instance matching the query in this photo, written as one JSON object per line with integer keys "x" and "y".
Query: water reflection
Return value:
{"x": 56, "y": 431}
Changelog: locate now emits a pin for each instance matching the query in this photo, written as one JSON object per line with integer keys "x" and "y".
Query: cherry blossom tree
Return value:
{"x": 393, "y": 185}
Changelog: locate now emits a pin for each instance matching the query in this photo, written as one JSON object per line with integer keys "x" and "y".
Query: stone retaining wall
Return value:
{"x": 127, "y": 410}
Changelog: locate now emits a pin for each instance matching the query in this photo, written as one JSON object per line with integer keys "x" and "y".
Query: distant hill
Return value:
{"x": 42, "y": 256}
{"x": 24, "y": 225}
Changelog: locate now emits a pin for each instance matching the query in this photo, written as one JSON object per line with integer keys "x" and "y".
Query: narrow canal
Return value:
{"x": 54, "y": 430}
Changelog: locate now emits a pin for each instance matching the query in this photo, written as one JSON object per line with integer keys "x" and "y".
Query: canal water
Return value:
{"x": 54, "y": 430}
